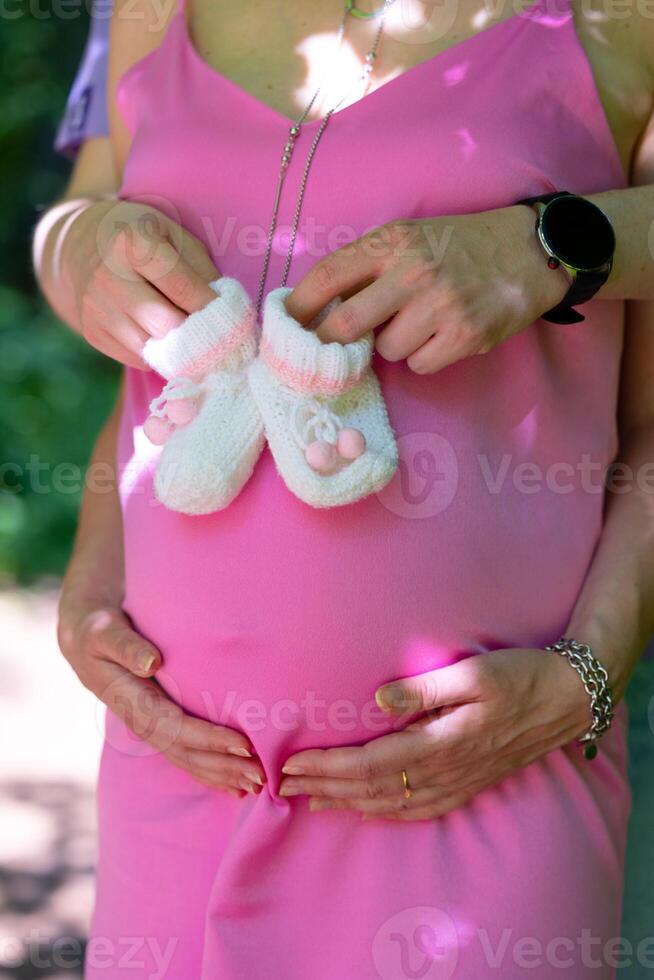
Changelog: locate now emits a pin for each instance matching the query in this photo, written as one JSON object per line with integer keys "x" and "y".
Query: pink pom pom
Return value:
{"x": 181, "y": 411}
{"x": 350, "y": 443}
{"x": 157, "y": 430}
{"x": 321, "y": 456}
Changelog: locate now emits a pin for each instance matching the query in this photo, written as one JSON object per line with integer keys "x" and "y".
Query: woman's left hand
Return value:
{"x": 445, "y": 287}
{"x": 487, "y": 716}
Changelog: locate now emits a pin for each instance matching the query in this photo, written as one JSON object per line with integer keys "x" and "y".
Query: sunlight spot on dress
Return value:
{"x": 468, "y": 144}
{"x": 136, "y": 473}
{"x": 452, "y": 76}
{"x": 525, "y": 431}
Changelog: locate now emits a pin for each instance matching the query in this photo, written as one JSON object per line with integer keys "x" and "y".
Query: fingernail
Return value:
{"x": 321, "y": 805}
{"x": 257, "y": 779}
{"x": 293, "y": 770}
{"x": 239, "y": 750}
{"x": 291, "y": 789}
{"x": 248, "y": 786}
{"x": 390, "y": 697}
{"x": 145, "y": 661}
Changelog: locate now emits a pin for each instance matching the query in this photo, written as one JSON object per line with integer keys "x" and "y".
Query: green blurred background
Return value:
{"x": 55, "y": 390}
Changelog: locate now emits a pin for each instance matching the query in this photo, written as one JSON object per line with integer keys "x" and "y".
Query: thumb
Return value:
{"x": 122, "y": 645}
{"x": 453, "y": 684}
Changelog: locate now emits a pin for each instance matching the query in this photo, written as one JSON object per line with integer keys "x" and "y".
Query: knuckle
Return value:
{"x": 182, "y": 288}
{"x": 122, "y": 241}
{"x": 452, "y": 297}
{"x": 482, "y": 676}
{"x": 398, "y": 234}
{"x": 97, "y": 622}
{"x": 419, "y": 271}
{"x": 374, "y": 790}
{"x": 427, "y": 690}
{"x": 347, "y": 322}
{"x": 367, "y": 769}
{"x": 466, "y": 337}
{"x": 325, "y": 275}
{"x": 382, "y": 245}
{"x": 400, "y": 241}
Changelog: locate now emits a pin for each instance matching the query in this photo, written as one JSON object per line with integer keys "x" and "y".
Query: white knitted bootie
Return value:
{"x": 205, "y": 416}
{"x": 323, "y": 411}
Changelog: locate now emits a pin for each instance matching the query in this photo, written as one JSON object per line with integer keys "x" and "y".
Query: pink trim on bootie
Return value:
{"x": 301, "y": 361}
{"x": 206, "y": 339}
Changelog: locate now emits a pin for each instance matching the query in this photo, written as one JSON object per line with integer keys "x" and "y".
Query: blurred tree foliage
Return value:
{"x": 55, "y": 391}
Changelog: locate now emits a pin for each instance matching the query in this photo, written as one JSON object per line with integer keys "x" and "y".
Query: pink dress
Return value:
{"x": 281, "y": 620}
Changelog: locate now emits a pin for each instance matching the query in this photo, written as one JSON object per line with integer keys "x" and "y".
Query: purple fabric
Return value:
{"x": 86, "y": 109}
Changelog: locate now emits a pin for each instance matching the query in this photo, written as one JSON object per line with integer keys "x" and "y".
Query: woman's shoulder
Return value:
{"x": 137, "y": 29}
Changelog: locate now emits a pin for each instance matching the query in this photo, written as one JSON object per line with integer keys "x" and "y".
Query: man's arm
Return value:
{"x": 631, "y": 211}
{"x": 95, "y": 570}
{"x": 615, "y": 611}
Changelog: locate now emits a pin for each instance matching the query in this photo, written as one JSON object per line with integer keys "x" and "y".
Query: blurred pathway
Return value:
{"x": 50, "y": 737}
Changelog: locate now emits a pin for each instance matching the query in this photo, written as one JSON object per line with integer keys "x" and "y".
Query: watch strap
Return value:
{"x": 583, "y": 288}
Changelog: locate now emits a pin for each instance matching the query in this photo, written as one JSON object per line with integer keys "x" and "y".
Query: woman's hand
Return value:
{"x": 132, "y": 274}
{"x": 117, "y": 665}
{"x": 445, "y": 287}
{"x": 487, "y": 716}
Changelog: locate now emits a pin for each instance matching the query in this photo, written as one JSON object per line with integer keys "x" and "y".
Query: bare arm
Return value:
{"x": 631, "y": 211}
{"x": 96, "y": 567}
{"x": 615, "y": 611}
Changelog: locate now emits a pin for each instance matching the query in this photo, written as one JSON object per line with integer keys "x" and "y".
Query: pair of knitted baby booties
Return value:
{"x": 317, "y": 404}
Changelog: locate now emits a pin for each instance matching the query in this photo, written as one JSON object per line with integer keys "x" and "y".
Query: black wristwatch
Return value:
{"x": 577, "y": 235}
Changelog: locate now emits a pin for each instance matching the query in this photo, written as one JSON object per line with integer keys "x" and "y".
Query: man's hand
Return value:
{"x": 118, "y": 666}
{"x": 445, "y": 287}
{"x": 486, "y": 717}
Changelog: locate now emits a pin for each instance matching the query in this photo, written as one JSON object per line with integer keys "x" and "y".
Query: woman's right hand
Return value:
{"x": 133, "y": 274}
{"x": 117, "y": 665}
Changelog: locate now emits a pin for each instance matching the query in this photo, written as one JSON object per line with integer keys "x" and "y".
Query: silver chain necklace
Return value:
{"x": 293, "y": 134}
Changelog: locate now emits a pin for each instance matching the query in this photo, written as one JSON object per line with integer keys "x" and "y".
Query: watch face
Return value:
{"x": 578, "y": 233}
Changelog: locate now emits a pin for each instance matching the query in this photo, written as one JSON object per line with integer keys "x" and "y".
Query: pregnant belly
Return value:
{"x": 281, "y": 621}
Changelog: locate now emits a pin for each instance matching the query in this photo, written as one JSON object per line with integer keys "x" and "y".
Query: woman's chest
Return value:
{"x": 622, "y": 64}
{"x": 300, "y": 50}
{"x": 451, "y": 135}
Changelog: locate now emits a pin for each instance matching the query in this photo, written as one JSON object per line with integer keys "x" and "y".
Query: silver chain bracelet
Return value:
{"x": 596, "y": 684}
